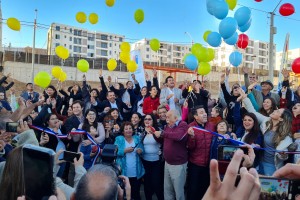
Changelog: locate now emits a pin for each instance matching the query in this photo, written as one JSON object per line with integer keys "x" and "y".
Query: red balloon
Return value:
{"x": 243, "y": 41}
{"x": 286, "y": 9}
{"x": 296, "y": 65}
{"x": 258, "y": 0}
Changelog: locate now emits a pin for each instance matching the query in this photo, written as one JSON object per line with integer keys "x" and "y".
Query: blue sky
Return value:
{"x": 166, "y": 20}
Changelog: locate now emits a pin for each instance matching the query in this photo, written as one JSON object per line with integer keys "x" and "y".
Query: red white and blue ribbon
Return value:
{"x": 48, "y": 131}
{"x": 82, "y": 132}
{"x": 240, "y": 143}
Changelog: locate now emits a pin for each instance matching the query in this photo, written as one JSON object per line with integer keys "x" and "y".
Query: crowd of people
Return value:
{"x": 167, "y": 138}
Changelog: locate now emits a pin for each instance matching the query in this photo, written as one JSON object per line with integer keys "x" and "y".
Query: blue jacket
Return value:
{"x": 121, "y": 159}
{"x": 88, "y": 160}
{"x": 215, "y": 144}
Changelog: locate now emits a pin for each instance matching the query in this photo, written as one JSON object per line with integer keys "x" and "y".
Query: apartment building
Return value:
{"x": 168, "y": 52}
{"x": 292, "y": 54}
{"x": 84, "y": 43}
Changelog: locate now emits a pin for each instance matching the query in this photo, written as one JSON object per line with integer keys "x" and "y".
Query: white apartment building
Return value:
{"x": 84, "y": 43}
{"x": 168, "y": 53}
{"x": 292, "y": 54}
{"x": 255, "y": 56}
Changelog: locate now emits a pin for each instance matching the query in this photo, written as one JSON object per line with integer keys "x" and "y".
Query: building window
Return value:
{"x": 103, "y": 45}
{"x": 57, "y": 28}
{"x": 147, "y": 56}
{"x": 71, "y": 30}
{"x": 70, "y": 38}
{"x": 147, "y": 49}
{"x": 70, "y": 46}
{"x": 120, "y": 39}
{"x": 90, "y": 54}
{"x": 109, "y": 52}
{"x": 110, "y": 37}
{"x": 77, "y": 40}
{"x": 56, "y": 44}
{"x": 91, "y": 38}
{"x": 65, "y": 45}
{"x": 65, "y": 36}
{"x": 90, "y": 46}
{"x": 77, "y": 49}
{"x": 57, "y": 36}
{"x": 147, "y": 42}
{"x": 103, "y": 37}
{"x": 77, "y": 32}
{"x": 103, "y": 53}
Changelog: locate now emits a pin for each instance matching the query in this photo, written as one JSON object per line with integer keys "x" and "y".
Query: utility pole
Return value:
{"x": 33, "y": 48}
{"x": 273, "y": 31}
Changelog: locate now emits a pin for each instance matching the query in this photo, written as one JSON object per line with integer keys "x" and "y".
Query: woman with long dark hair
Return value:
{"x": 269, "y": 105}
{"x": 276, "y": 130}
{"x": 151, "y": 102}
{"x": 152, "y": 160}
{"x": 51, "y": 92}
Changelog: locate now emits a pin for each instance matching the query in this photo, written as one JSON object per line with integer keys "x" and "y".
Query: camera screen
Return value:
{"x": 228, "y": 153}
{"x": 274, "y": 188}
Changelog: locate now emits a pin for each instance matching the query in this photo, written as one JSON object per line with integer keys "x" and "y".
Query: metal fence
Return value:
{"x": 101, "y": 63}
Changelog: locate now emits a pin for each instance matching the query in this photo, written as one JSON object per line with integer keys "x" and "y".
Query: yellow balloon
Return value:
{"x": 62, "y": 52}
{"x": 13, "y": 24}
{"x": 83, "y": 65}
{"x": 62, "y": 77}
{"x": 139, "y": 16}
{"x": 154, "y": 44}
{"x": 231, "y": 4}
{"x": 204, "y": 68}
{"x": 81, "y": 17}
{"x": 132, "y": 66}
{"x": 110, "y": 3}
{"x": 125, "y": 57}
{"x": 125, "y": 47}
{"x": 93, "y": 18}
{"x": 111, "y": 64}
{"x": 56, "y": 71}
{"x": 42, "y": 79}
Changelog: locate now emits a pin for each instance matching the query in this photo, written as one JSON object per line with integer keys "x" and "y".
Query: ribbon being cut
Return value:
{"x": 240, "y": 143}
{"x": 74, "y": 132}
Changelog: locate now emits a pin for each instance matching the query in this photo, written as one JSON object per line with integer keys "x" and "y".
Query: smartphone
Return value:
{"x": 38, "y": 165}
{"x": 12, "y": 127}
{"x": 276, "y": 188}
{"x": 152, "y": 129}
{"x": 69, "y": 156}
{"x": 226, "y": 152}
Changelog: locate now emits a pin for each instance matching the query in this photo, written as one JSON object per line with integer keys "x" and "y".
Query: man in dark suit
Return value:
{"x": 112, "y": 102}
{"x": 30, "y": 94}
{"x": 73, "y": 123}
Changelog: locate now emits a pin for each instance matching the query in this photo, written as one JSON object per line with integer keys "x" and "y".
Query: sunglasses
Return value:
{"x": 147, "y": 119}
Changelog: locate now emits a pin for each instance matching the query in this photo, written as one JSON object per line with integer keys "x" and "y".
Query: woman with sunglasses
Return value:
{"x": 152, "y": 160}
{"x": 130, "y": 150}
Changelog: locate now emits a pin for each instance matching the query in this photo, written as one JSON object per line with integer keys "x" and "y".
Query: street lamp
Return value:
{"x": 271, "y": 43}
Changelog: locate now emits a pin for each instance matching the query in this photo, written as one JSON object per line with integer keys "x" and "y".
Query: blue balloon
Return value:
{"x": 245, "y": 27}
{"x": 191, "y": 62}
{"x": 235, "y": 58}
{"x": 214, "y": 39}
{"x": 210, "y": 6}
{"x": 227, "y": 27}
{"x": 242, "y": 16}
{"x": 221, "y": 9}
{"x": 233, "y": 39}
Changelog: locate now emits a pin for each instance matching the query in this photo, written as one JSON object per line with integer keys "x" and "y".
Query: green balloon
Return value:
{"x": 205, "y": 35}
{"x": 83, "y": 65}
{"x": 204, "y": 68}
{"x": 139, "y": 16}
{"x": 203, "y": 54}
{"x": 196, "y": 49}
{"x": 210, "y": 55}
{"x": 42, "y": 79}
{"x": 154, "y": 44}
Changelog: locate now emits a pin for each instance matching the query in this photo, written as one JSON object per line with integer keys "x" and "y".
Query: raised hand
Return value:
{"x": 285, "y": 73}
{"x": 222, "y": 80}
{"x": 242, "y": 95}
{"x": 227, "y": 71}
{"x": 154, "y": 73}
{"x": 100, "y": 72}
{"x": 147, "y": 76}
{"x": 109, "y": 78}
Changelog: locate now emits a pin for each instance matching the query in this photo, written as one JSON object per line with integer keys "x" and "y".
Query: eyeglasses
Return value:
{"x": 163, "y": 112}
{"x": 54, "y": 119}
{"x": 147, "y": 119}
{"x": 91, "y": 114}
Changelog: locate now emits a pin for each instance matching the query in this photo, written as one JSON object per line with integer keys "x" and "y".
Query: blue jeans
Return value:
{"x": 268, "y": 168}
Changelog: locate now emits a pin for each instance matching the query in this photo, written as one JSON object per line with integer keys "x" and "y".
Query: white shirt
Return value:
{"x": 172, "y": 100}
{"x": 113, "y": 105}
